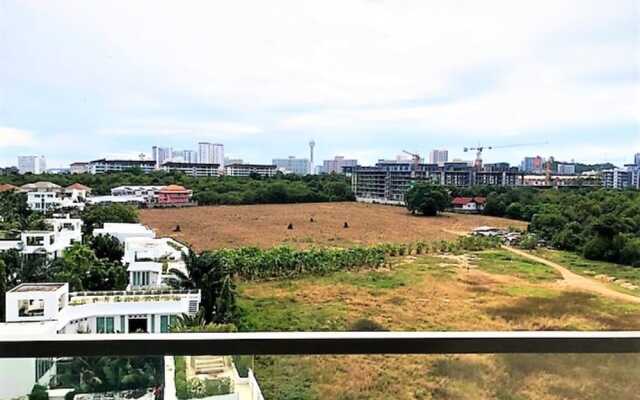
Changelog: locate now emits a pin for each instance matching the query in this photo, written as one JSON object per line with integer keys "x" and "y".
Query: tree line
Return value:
{"x": 600, "y": 224}
{"x": 212, "y": 190}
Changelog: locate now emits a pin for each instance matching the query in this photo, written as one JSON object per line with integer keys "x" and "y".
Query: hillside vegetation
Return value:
{"x": 600, "y": 224}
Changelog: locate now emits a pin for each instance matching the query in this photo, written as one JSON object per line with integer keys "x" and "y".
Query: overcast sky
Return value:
{"x": 84, "y": 79}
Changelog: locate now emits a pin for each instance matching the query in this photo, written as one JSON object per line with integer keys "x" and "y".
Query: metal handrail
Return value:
{"x": 317, "y": 343}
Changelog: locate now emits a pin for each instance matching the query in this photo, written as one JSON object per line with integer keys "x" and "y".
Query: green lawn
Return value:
{"x": 505, "y": 263}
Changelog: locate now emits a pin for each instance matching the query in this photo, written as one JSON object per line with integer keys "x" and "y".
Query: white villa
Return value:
{"x": 65, "y": 232}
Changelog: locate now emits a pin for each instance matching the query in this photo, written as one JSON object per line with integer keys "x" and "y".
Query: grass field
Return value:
{"x": 490, "y": 290}
{"x": 266, "y": 225}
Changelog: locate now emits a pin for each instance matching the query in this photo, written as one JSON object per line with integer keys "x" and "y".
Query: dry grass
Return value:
{"x": 432, "y": 293}
{"x": 266, "y": 225}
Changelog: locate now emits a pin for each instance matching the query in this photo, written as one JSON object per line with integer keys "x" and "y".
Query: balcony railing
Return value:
{"x": 318, "y": 343}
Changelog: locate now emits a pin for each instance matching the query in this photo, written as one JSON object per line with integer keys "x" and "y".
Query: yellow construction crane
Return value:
{"x": 479, "y": 149}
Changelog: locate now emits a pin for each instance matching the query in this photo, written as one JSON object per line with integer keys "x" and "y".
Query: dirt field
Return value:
{"x": 266, "y": 225}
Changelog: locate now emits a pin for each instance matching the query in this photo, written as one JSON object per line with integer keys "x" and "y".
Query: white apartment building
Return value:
{"x": 292, "y": 165}
{"x": 32, "y": 164}
{"x": 246, "y": 170}
{"x": 617, "y": 178}
{"x": 335, "y": 166}
{"x": 103, "y": 165}
{"x": 192, "y": 169}
{"x": 79, "y": 167}
{"x": 211, "y": 153}
{"x": 161, "y": 155}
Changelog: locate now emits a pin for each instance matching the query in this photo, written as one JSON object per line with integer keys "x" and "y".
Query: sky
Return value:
{"x": 365, "y": 79}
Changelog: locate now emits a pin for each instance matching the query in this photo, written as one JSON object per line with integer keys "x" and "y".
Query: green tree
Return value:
{"x": 630, "y": 253}
{"x": 209, "y": 273}
{"x": 95, "y": 216}
{"x": 107, "y": 247}
{"x": 427, "y": 199}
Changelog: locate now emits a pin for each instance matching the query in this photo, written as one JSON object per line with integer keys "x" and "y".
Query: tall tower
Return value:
{"x": 312, "y": 145}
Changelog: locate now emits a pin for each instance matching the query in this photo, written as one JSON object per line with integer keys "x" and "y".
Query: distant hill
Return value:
{"x": 593, "y": 167}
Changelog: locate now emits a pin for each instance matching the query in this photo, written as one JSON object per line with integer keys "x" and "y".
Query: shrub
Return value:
{"x": 529, "y": 242}
{"x": 366, "y": 325}
{"x": 39, "y": 392}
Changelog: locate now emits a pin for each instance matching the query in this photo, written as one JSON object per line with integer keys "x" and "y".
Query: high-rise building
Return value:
{"x": 566, "y": 169}
{"x": 293, "y": 165}
{"x": 211, "y": 153}
{"x": 438, "y": 156}
{"x": 184, "y": 156}
{"x": 32, "y": 164}
{"x": 161, "y": 154}
{"x": 532, "y": 164}
{"x": 636, "y": 159}
{"x": 336, "y": 165}
{"x": 312, "y": 145}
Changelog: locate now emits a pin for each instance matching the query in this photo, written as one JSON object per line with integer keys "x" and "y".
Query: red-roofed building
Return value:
{"x": 6, "y": 187}
{"x": 174, "y": 195}
{"x": 469, "y": 204}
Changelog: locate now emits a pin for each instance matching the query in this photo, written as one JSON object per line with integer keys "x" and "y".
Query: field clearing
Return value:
{"x": 490, "y": 290}
{"x": 265, "y": 225}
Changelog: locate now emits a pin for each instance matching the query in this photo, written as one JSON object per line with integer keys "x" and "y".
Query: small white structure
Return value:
{"x": 123, "y": 231}
{"x": 31, "y": 302}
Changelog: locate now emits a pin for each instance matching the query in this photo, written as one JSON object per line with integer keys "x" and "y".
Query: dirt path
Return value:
{"x": 576, "y": 281}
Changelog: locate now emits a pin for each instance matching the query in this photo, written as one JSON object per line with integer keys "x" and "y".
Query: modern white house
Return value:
{"x": 50, "y": 243}
{"x": 43, "y": 309}
{"x": 122, "y": 231}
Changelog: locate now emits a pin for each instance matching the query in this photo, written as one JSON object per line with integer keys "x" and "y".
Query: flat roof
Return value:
{"x": 37, "y": 287}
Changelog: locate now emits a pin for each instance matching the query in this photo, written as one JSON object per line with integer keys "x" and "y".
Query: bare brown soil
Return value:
{"x": 266, "y": 225}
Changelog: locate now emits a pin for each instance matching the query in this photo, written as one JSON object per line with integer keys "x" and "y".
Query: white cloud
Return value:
{"x": 13, "y": 137}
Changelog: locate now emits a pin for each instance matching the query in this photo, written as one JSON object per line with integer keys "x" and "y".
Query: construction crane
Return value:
{"x": 479, "y": 149}
{"x": 416, "y": 160}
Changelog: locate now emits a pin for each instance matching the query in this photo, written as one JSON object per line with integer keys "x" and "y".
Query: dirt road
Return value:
{"x": 576, "y": 281}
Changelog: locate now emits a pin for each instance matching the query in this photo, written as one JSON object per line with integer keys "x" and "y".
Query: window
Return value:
{"x": 104, "y": 325}
{"x": 122, "y": 324}
{"x": 153, "y": 323}
{"x": 164, "y": 324}
{"x": 31, "y": 307}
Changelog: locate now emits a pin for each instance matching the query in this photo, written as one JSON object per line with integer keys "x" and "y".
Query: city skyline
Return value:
{"x": 371, "y": 84}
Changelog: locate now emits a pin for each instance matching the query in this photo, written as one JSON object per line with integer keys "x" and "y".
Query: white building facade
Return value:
{"x": 245, "y": 170}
